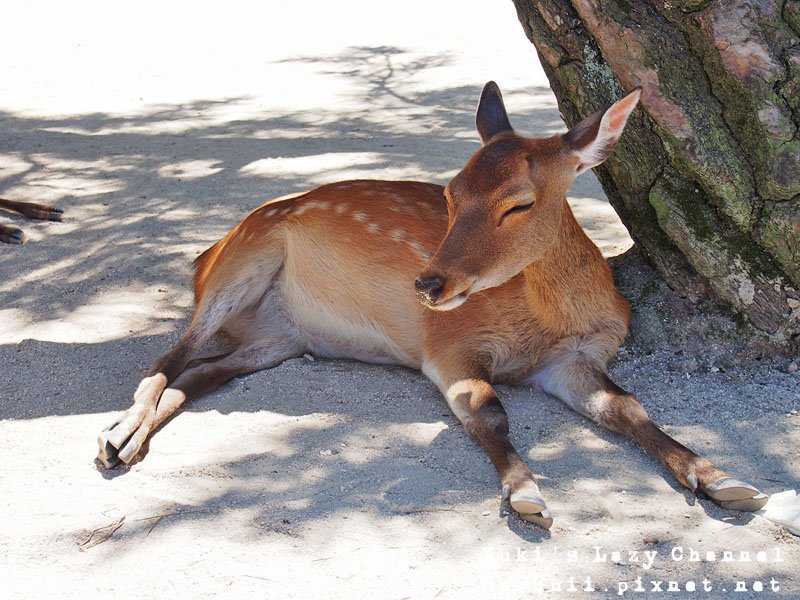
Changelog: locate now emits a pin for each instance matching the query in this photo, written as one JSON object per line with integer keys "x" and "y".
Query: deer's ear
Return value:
{"x": 593, "y": 139}
{"x": 491, "y": 117}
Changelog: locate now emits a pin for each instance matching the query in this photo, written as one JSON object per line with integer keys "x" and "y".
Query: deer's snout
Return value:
{"x": 429, "y": 288}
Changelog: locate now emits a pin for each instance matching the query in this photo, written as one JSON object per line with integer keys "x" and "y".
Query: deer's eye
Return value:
{"x": 519, "y": 208}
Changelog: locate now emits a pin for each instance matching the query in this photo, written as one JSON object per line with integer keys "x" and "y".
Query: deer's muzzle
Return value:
{"x": 429, "y": 289}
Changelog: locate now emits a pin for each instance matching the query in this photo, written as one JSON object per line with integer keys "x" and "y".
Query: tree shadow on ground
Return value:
{"x": 143, "y": 194}
{"x": 391, "y": 452}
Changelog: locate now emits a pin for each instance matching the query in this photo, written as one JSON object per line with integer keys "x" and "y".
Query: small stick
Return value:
{"x": 102, "y": 533}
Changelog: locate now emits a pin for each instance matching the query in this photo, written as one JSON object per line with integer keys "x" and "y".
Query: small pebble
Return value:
{"x": 793, "y": 367}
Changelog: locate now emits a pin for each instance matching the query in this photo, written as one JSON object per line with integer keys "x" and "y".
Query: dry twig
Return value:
{"x": 101, "y": 534}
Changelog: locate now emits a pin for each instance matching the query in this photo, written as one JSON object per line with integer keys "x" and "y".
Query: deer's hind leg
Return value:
{"x": 586, "y": 388}
{"x": 124, "y": 437}
{"x": 44, "y": 212}
{"x": 13, "y": 235}
{"x": 163, "y": 392}
{"x": 207, "y": 377}
{"x": 229, "y": 297}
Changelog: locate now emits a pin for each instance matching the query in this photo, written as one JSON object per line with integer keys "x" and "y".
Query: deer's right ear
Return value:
{"x": 593, "y": 139}
{"x": 491, "y": 117}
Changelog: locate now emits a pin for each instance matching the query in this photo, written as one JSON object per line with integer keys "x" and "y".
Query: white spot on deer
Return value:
{"x": 359, "y": 216}
{"x": 397, "y": 235}
{"x": 323, "y": 205}
{"x": 420, "y": 251}
{"x": 305, "y": 207}
{"x": 271, "y": 213}
{"x": 302, "y": 209}
{"x": 341, "y": 208}
{"x": 374, "y": 228}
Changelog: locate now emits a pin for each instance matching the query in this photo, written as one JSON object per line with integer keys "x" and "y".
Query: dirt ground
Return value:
{"x": 158, "y": 130}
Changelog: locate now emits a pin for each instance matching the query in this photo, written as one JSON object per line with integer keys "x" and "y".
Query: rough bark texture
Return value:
{"x": 707, "y": 176}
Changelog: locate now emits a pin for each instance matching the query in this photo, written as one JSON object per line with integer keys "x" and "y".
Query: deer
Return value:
{"x": 45, "y": 212}
{"x": 488, "y": 280}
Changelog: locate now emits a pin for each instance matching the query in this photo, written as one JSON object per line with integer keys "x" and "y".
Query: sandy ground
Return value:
{"x": 156, "y": 128}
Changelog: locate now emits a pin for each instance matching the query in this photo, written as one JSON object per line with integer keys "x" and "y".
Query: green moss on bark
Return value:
{"x": 740, "y": 273}
{"x": 791, "y": 14}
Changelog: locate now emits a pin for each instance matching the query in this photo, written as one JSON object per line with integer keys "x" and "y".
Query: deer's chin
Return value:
{"x": 450, "y": 303}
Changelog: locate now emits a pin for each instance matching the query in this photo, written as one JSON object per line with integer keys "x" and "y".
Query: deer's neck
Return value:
{"x": 570, "y": 289}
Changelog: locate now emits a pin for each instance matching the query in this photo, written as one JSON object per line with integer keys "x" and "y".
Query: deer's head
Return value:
{"x": 505, "y": 206}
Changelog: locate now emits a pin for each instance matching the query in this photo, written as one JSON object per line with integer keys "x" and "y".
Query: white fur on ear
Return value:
{"x": 593, "y": 139}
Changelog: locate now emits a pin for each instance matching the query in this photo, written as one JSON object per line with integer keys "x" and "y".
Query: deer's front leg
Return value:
{"x": 474, "y": 402}
{"x": 618, "y": 410}
{"x": 587, "y": 389}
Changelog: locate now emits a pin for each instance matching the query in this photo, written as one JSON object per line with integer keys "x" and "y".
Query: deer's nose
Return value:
{"x": 429, "y": 289}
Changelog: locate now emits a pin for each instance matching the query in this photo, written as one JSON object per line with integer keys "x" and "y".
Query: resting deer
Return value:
{"x": 45, "y": 212}
{"x": 509, "y": 289}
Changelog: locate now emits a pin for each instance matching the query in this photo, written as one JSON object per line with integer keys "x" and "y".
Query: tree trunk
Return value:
{"x": 707, "y": 175}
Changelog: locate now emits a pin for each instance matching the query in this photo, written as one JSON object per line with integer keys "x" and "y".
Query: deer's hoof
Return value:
{"x": 53, "y": 214}
{"x": 527, "y": 501}
{"x": 13, "y": 236}
{"x": 108, "y": 454}
{"x": 733, "y": 494}
{"x": 124, "y": 438}
{"x": 542, "y": 519}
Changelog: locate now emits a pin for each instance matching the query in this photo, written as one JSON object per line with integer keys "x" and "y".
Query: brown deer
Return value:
{"x": 509, "y": 289}
{"x": 45, "y": 212}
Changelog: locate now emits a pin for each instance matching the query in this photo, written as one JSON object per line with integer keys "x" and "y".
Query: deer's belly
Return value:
{"x": 332, "y": 336}
{"x": 337, "y": 325}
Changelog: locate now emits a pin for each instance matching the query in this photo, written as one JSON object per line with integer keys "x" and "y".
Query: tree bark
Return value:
{"x": 707, "y": 175}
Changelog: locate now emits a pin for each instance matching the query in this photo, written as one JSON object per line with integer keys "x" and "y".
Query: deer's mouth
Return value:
{"x": 453, "y": 300}
{"x": 450, "y": 303}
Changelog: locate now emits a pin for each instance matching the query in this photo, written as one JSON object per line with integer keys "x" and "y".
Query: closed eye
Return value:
{"x": 520, "y": 208}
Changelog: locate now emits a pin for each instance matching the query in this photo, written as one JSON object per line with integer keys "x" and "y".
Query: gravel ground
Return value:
{"x": 156, "y": 131}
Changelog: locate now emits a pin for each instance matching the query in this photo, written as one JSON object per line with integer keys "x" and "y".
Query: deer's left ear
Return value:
{"x": 593, "y": 139}
{"x": 491, "y": 118}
